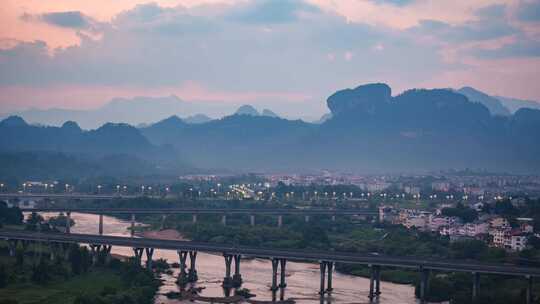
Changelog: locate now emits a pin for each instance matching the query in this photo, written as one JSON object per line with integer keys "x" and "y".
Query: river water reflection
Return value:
{"x": 302, "y": 278}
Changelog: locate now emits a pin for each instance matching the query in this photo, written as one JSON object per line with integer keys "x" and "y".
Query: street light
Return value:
{"x": 98, "y": 188}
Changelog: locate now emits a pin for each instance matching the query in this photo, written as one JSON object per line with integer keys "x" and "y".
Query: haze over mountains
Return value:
{"x": 143, "y": 111}
{"x": 369, "y": 131}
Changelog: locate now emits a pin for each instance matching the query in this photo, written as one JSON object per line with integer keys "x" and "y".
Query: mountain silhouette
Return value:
{"x": 369, "y": 131}
{"x": 494, "y": 105}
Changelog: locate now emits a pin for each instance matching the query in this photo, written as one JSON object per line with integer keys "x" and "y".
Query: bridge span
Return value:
{"x": 326, "y": 259}
{"x": 279, "y": 212}
{"x": 74, "y": 196}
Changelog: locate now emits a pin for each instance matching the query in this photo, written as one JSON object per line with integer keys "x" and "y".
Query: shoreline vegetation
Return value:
{"x": 69, "y": 275}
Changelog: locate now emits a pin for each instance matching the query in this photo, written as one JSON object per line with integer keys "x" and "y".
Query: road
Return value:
{"x": 299, "y": 255}
{"x": 279, "y": 211}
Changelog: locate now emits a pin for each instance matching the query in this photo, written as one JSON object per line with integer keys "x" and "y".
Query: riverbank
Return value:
{"x": 165, "y": 234}
{"x": 33, "y": 277}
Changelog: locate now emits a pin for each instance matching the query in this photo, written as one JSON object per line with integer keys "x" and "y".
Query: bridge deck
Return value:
{"x": 206, "y": 211}
{"x": 300, "y": 255}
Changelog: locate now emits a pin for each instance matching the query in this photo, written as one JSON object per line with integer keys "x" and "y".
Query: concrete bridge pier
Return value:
{"x": 371, "y": 294}
{"x": 377, "y": 280}
{"x": 183, "y": 278}
{"x": 282, "y": 264}
{"x": 476, "y": 286}
{"x": 149, "y": 254}
{"x": 94, "y": 250}
{"x": 194, "y": 219}
{"x": 237, "y": 277}
{"x": 306, "y": 218}
{"x": 322, "y": 265}
{"x": 138, "y": 254}
{"x": 227, "y": 280}
{"x": 252, "y": 220}
{"x": 100, "y": 224}
{"x": 280, "y": 221}
{"x": 132, "y": 224}
{"x": 65, "y": 248}
{"x": 107, "y": 252}
{"x": 192, "y": 275}
{"x": 53, "y": 248}
{"x": 224, "y": 220}
{"x": 68, "y": 222}
{"x": 12, "y": 245}
{"x": 333, "y": 218}
{"x": 528, "y": 293}
{"x": 274, "y": 287}
{"x": 424, "y": 277}
{"x": 163, "y": 218}
{"x": 330, "y": 267}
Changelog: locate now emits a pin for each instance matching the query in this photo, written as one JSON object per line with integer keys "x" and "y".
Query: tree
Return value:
{"x": 3, "y": 276}
{"x": 11, "y": 216}
{"x": 41, "y": 272}
{"x": 466, "y": 214}
{"x": 75, "y": 259}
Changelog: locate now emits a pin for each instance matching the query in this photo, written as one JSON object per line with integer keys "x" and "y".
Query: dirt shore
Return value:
{"x": 166, "y": 234}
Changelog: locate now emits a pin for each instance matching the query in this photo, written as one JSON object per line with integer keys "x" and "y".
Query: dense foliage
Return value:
{"x": 11, "y": 216}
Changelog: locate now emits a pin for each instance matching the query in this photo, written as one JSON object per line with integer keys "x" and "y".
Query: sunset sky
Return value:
{"x": 79, "y": 54}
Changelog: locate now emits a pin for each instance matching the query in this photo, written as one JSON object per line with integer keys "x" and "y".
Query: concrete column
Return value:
{"x": 377, "y": 280}
{"x": 12, "y": 244}
{"x": 132, "y": 224}
{"x": 476, "y": 285}
{"x": 227, "y": 280}
{"x": 322, "y": 265}
{"x": 330, "y": 266}
{"x": 280, "y": 221}
{"x": 192, "y": 276}
{"x": 282, "y": 283}
{"x": 306, "y": 218}
{"x": 100, "y": 230}
{"x": 252, "y": 220}
{"x": 423, "y": 284}
{"x": 237, "y": 277}
{"x": 371, "y": 287}
{"x": 163, "y": 218}
{"x": 138, "y": 253}
{"x": 149, "y": 254}
{"x": 274, "y": 275}
{"x": 528, "y": 294}
{"x": 194, "y": 219}
{"x": 224, "y": 220}
{"x": 52, "y": 250}
{"x": 68, "y": 222}
{"x": 182, "y": 279}
{"x": 95, "y": 249}
{"x": 107, "y": 251}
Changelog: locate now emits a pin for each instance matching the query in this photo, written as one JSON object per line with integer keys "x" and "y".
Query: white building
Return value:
{"x": 517, "y": 242}
{"x": 417, "y": 221}
{"x": 475, "y": 229}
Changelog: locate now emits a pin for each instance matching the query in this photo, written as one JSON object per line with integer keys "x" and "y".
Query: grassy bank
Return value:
{"x": 33, "y": 277}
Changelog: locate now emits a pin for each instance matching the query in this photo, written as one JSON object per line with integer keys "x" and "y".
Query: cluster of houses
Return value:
{"x": 494, "y": 230}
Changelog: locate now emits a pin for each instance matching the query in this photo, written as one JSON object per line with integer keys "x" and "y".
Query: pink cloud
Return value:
{"x": 514, "y": 77}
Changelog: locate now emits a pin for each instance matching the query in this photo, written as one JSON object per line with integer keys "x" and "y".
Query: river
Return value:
{"x": 302, "y": 278}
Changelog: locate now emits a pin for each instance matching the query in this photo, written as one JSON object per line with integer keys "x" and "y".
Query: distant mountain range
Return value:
{"x": 138, "y": 111}
{"x": 368, "y": 131}
{"x": 250, "y": 110}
